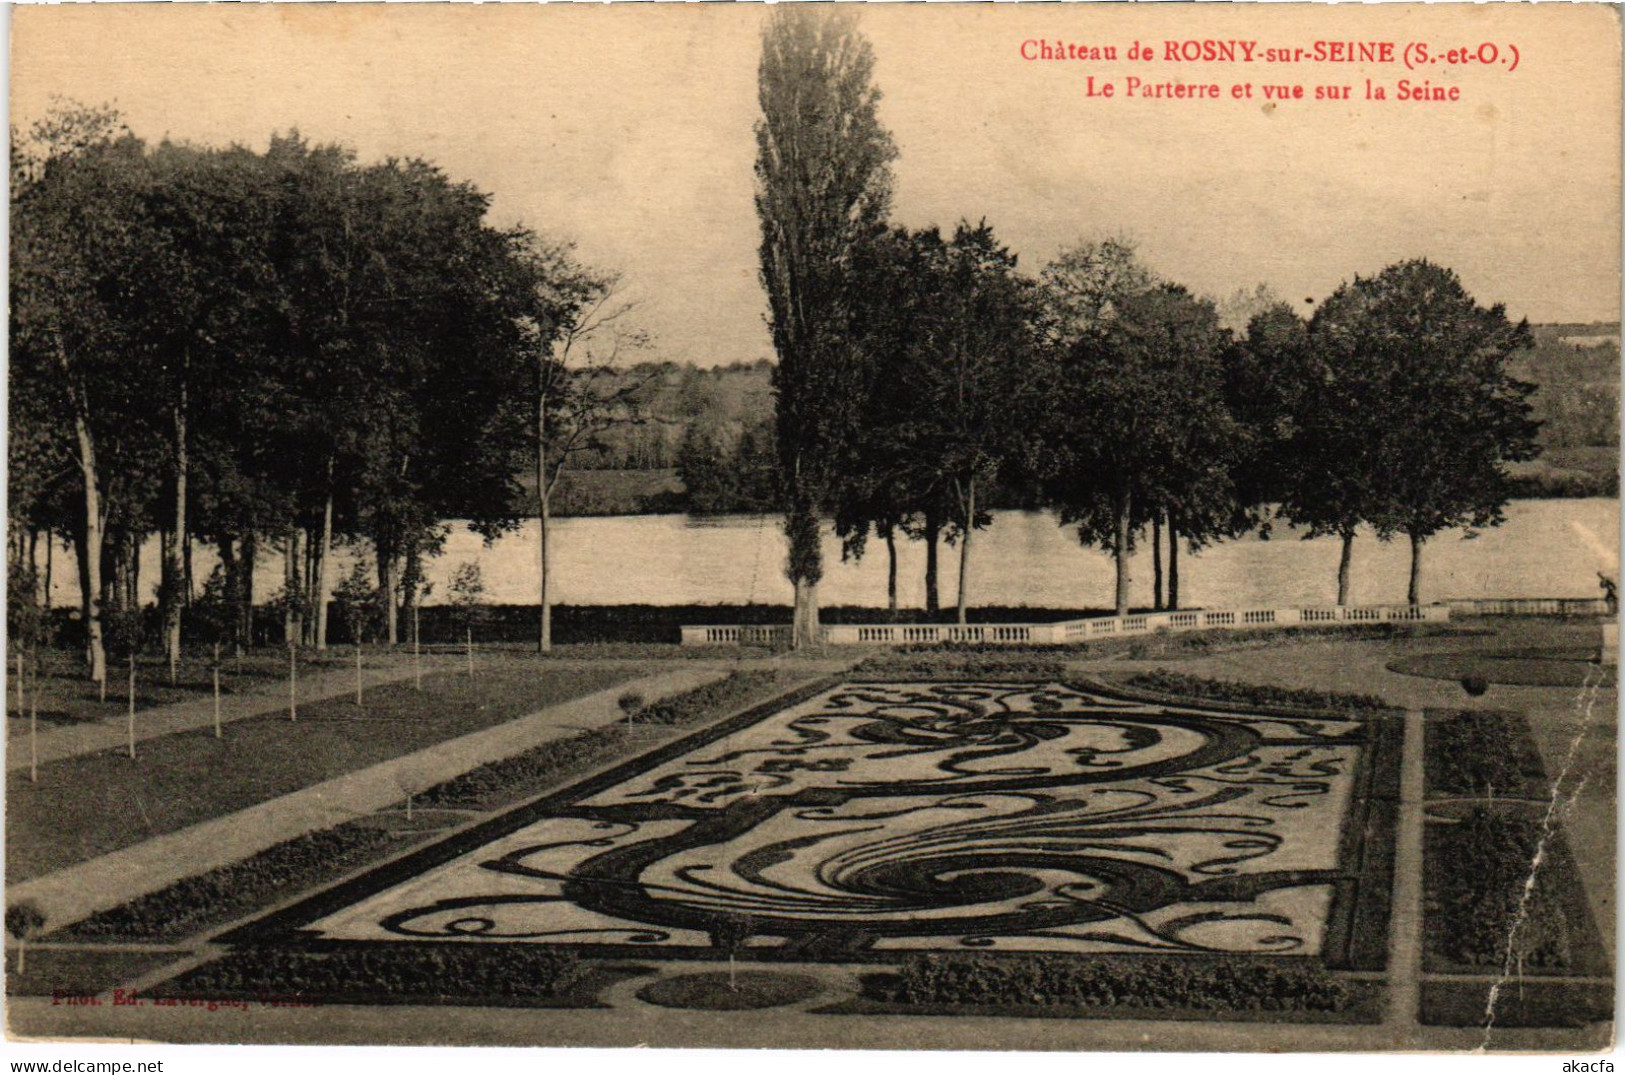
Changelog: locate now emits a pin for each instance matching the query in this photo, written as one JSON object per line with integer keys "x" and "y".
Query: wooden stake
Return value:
{"x": 217, "y": 690}
{"x": 358, "y": 671}
{"x": 33, "y": 736}
{"x": 132, "y": 703}
{"x": 417, "y": 656}
{"x": 21, "y": 706}
{"x": 470, "y": 652}
{"x": 293, "y": 685}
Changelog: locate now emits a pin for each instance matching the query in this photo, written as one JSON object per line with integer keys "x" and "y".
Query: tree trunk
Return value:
{"x": 1156, "y": 562}
{"x": 174, "y": 562}
{"x": 389, "y": 586}
{"x": 804, "y": 627}
{"x": 933, "y": 528}
{"x": 95, "y": 649}
{"x": 245, "y": 570}
{"x": 1173, "y": 565}
{"x": 50, "y": 548}
{"x": 964, "y": 547}
{"x": 1413, "y": 594}
{"x": 89, "y": 548}
{"x": 544, "y": 518}
{"x": 1125, "y": 504}
{"x": 805, "y": 567}
{"x": 544, "y": 635}
{"x": 891, "y": 572}
{"x": 324, "y": 561}
{"x": 1343, "y": 562}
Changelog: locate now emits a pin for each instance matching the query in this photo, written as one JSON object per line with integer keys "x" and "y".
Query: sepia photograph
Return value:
{"x": 1070, "y": 528}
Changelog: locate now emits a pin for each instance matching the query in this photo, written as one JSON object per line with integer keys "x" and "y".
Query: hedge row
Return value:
{"x": 193, "y": 903}
{"x": 1137, "y": 982}
{"x": 1479, "y": 753}
{"x": 499, "y": 780}
{"x": 1162, "y": 681}
{"x": 1481, "y": 869}
{"x": 385, "y": 973}
{"x": 965, "y": 661}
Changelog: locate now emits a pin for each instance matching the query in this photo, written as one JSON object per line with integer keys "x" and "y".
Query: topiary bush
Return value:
{"x": 1139, "y": 982}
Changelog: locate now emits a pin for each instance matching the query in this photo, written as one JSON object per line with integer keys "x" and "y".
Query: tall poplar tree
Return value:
{"x": 823, "y": 185}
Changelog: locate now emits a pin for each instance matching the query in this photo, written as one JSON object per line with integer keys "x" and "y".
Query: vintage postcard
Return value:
{"x": 937, "y": 526}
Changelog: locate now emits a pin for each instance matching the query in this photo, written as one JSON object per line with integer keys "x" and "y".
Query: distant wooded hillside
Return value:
{"x": 715, "y": 426}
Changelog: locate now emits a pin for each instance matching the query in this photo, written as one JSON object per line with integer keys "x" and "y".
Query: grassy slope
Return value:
{"x": 91, "y": 805}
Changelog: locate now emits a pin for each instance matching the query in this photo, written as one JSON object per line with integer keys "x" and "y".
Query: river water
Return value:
{"x": 1546, "y": 548}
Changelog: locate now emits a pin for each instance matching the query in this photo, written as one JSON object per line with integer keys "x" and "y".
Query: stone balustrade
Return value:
{"x": 1040, "y": 634}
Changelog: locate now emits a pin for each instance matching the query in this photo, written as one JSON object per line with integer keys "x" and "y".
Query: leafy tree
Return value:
{"x": 1139, "y": 428}
{"x": 578, "y": 332}
{"x": 467, "y": 594}
{"x": 24, "y": 919}
{"x": 823, "y": 184}
{"x": 76, "y": 248}
{"x": 969, "y": 372}
{"x": 1426, "y": 366}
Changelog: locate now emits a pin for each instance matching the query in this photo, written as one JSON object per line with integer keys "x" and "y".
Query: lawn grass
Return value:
{"x": 730, "y": 991}
{"x": 1519, "y": 1003}
{"x": 1558, "y": 668}
{"x": 93, "y": 804}
{"x": 217, "y": 897}
{"x": 80, "y": 972}
{"x": 67, "y": 696}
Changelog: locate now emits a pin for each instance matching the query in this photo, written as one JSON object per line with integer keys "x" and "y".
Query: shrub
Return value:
{"x": 1162, "y": 681}
{"x": 1484, "y": 895}
{"x": 1138, "y": 982}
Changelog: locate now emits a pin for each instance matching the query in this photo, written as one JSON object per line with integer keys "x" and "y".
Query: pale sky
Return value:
{"x": 627, "y": 129}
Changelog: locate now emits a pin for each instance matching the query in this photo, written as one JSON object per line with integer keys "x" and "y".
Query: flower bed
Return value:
{"x": 1475, "y": 752}
{"x": 1479, "y": 899}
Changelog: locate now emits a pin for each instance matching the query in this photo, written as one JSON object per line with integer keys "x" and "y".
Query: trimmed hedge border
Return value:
{"x": 499, "y": 782}
{"x": 457, "y": 974}
{"x": 972, "y": 661}
{"x": 1129, "y": 987}
{"x": 1178, "y": 686}
{"x": 222, "y": 895}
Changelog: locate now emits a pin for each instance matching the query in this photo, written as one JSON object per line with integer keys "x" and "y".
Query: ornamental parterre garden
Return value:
{"x": 929, "y": 834}
{"x": 986, "y": 843}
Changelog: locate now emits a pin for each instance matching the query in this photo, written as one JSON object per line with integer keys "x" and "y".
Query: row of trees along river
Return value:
{"x": 276, "y": 353}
